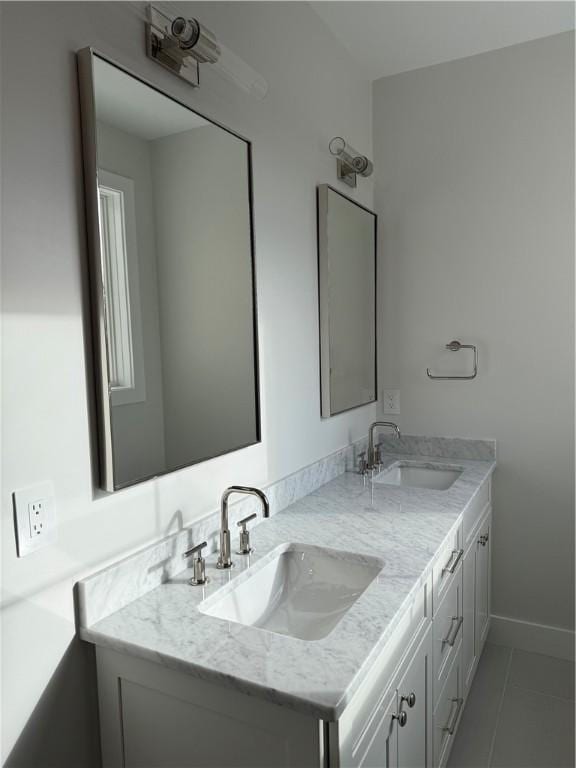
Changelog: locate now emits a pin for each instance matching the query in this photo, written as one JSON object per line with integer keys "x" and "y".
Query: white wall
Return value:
{"x": 475, "y": 188}
{"x": 202, "y": 199}
{"x": 314, "y": 94}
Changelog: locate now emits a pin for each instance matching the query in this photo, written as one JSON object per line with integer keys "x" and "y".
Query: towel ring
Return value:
{"x": 456, "y": 346}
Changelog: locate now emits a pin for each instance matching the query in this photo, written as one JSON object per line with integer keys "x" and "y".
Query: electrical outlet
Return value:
{"x": 37, "y": 517}
{"x": 391, "y": 400}
{"x": 34, "y": 518}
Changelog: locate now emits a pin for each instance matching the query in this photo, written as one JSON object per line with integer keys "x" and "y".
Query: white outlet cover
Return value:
{"x": 391, "y": 400}
{"x": 34, "y": 518}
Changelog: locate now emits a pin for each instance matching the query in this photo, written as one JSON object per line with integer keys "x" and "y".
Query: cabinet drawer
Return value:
{"x": 447, "y": 631}
{"x": 446, "y": 567}
{"x": 447, "y": 713}
{"x": 475, "y": 510}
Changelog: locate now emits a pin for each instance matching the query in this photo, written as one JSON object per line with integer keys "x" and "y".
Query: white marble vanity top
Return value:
{"x": 404, "y": 527}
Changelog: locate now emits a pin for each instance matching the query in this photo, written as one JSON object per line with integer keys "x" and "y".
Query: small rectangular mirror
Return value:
{"x": 347, "y": 295}
{"x": 169, "y": 213}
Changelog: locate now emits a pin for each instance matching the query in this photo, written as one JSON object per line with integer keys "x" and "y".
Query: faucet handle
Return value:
{"x": 245, "y": 547}
{"x": 362, "y": 463}
{"x": 199, "y": 564}
{"x": 194, "y": 550}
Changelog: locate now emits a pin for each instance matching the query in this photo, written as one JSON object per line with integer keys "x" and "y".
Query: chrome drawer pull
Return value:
{"x": 452, "y": 564}
{"x": 451, "y": 725}
{"x": 453, "y": 634}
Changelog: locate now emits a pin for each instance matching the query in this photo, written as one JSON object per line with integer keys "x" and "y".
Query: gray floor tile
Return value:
{"x": 544, "y": 674}
{"x": 475, "y": 733}
{"x": 534, "y": 731}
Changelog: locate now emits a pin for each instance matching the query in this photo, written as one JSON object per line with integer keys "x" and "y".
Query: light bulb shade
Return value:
{"x": 337, "y": 146}
{"x": 186, "y": 31}
{"x": 233, "y": 68}
{"x": 197, "y": 39}
{"x": 357, "y": 162}
{"x": 182, "y": 44}
{"x": 363, "y": 166}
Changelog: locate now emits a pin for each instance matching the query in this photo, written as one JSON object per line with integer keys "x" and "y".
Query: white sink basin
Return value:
{"x": 297, "y": 590}
{"x": 437, "y": 478}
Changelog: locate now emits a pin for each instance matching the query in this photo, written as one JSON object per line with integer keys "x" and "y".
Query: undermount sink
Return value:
{"x": 297, "y": 590}
{"x": 434, "y": 477}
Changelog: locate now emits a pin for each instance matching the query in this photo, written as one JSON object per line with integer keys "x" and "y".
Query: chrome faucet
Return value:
{"x": 371, "y": 456}
{"x": 224, "y": 558}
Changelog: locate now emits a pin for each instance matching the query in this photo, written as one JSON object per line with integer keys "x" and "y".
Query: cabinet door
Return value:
{"x": 415, "y": 700}
{"x": 377, "y": 746}
{"x": 469, "y": 647}
{"x": 483, "y": 545}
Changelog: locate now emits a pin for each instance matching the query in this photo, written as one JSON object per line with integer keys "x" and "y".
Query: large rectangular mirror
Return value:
{"x": 347, "y": 294}
{"x": 169, "y": 209}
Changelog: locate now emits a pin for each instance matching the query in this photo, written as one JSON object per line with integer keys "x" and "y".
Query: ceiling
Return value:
{"x": 386, "y": 38}
{"x": 129, "y": 105}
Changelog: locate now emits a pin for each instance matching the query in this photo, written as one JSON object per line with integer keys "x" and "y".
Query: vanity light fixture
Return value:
{"x": 349, "y": 162}
{"x": 182, "y": 44}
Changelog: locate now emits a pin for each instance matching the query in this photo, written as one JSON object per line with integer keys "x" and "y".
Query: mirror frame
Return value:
{"x": 323, "y": 299}
{"x": 85, "y": 58}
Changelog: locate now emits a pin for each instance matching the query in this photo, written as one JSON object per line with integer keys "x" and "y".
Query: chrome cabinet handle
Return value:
{"x": 452, "y": 564}
{"x": 451, "y": 724}
{"x": 483, "y": 539}
{"x": 410, "y": 699}
{"x": 454, "y": 629}
{"x": 199, "y": 565}
{"x": 402, "y": 718}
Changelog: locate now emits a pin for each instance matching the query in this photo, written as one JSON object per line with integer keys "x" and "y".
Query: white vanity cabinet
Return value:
{"x": 461, "y": 622}
{"x": 476, "y": 597}
{"x": 483, "y": 580}
{"x": 396, "y": 732}
{"x": 155, "y": 717}
{"x": 388, "y": 722}
{"x": 447, "y": 712}
{"x": 458, "y": 647}
{"x": 414, "y": 744}
{"x": 404, "y": 713}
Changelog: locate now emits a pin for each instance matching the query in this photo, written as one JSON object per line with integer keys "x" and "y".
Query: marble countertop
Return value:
{"x": 404, "y": 527}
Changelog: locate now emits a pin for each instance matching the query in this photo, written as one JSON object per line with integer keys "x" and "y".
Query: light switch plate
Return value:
{"x": 34, "y": 518}
{"x": 391, "y": 400}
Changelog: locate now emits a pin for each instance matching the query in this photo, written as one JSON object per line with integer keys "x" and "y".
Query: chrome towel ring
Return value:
{"x": 456, "y": 346}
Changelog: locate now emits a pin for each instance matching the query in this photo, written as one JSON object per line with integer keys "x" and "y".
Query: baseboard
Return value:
{"x": 538, "y": 638}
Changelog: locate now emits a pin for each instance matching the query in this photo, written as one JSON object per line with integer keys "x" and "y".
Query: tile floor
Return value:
{"x": 519, "y": 714}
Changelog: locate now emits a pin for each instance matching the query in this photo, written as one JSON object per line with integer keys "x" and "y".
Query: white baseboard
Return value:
{"x": 538, "y": 638}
